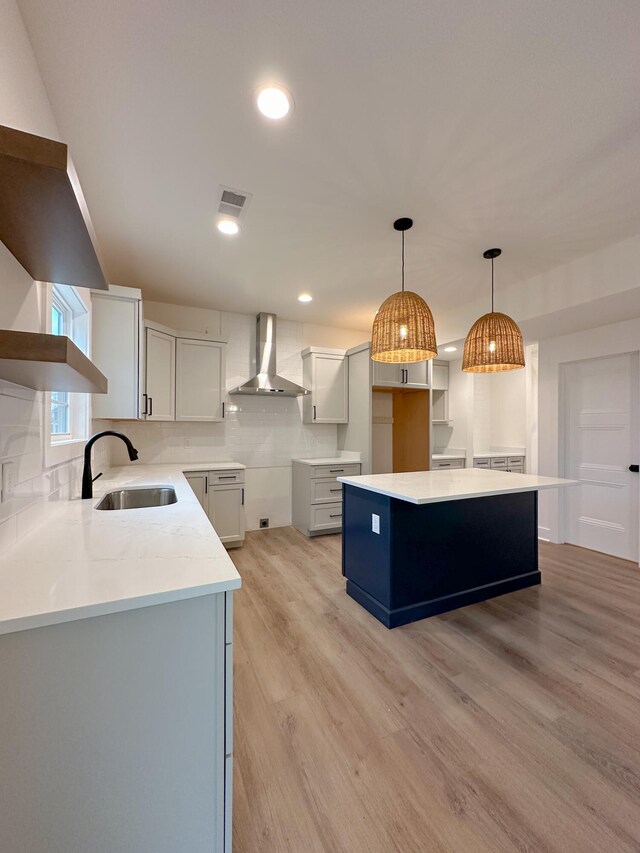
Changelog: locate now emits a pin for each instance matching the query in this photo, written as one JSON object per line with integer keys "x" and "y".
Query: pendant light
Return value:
{"x": 403, "y": 329}
{"x": 494, "y": 342}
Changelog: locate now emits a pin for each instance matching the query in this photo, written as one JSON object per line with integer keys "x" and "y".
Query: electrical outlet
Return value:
{"x": 8, "y": 480}
{"x": 264, "y": 522}
{"x": 375, "y": 523}
{"x": 188, "y": 442}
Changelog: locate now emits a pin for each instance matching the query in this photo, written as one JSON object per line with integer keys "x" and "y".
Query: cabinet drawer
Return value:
{"x": 482, "y": 463}
{"x": 326, "y": 491}
{"x": 447, "y": 464}
{"x": 499, "y": 462}
{"x": 516, "y": 460}
{"x": 326, "y": 516}
{"x": 225, "y": 478}
{"x": 335, "y": 471}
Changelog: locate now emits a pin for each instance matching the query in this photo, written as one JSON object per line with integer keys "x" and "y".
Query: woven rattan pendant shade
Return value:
{"x": 403, "y": 329}
{"x": 494, "y": 342}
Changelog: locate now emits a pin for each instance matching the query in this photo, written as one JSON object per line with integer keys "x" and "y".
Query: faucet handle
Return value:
{"x": 96, "y": 477}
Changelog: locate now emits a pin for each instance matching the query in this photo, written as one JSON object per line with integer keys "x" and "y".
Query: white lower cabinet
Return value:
{"x": 117, "y": 731}
{"x": 513, "y": 464}
{"x": 317, "y": 495}
{"x": 221, "y": 495}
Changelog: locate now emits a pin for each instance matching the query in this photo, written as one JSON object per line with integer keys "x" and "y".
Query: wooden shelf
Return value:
{"x": 48, "y": 363}
{"x": 44, "y": 220}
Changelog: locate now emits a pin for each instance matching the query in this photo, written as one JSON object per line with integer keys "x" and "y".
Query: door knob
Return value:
{"x": 634, "y": 468}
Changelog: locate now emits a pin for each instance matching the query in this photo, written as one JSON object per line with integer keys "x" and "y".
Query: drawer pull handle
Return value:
{"x": 335, "y": 470}
{"x": 230, "y": 477}
{"x": 336, "y": 490}
{"x": 335, "y": 515}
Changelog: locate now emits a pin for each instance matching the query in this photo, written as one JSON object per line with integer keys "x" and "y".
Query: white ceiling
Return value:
{"x": 490, "y": 123}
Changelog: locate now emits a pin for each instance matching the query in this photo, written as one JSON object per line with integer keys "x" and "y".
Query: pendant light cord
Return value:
{"x": 403, "y": 261}
{"x": 492, "y": 285}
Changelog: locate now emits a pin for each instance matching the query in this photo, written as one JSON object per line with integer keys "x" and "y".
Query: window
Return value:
{"x": 61, "y": 324}
{"x": 66, "y": 414}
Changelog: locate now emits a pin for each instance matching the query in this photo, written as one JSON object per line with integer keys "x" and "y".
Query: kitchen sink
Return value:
{"x": 138, "y": 497}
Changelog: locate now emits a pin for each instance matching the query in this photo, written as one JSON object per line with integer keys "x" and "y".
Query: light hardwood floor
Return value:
{"x": 512, "y": 725}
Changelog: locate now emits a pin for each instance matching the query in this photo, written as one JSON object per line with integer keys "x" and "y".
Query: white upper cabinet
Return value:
{"x": 160, "y": 386}
{"x": 386, "y": 374}
{"x": 440, "y": 375}
{"x": 200, "y": 380}
{"x": 412, "y": 375}
{"x": 116, "y": 349}
{"x": 325, "y": 374}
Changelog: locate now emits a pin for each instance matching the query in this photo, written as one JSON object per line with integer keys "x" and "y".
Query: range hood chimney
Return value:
{"x": 267, "y": 381}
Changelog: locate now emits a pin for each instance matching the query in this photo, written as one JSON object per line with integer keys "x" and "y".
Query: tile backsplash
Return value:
{"x": 36, "y": 488}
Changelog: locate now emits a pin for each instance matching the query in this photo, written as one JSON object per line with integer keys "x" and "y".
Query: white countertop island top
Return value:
{"x": 82, "y": 562}
{"x": 423, "y": 487}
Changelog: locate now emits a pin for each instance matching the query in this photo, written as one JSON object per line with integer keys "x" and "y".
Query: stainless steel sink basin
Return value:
{"x": 138, "y": 498}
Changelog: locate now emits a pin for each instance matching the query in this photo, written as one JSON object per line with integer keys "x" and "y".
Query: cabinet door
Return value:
{"x": 160, "y": 376}
{"x": 200, "y": 380}
{"x": 416, "y": 374}
{"x": 440, "y": 376}
{"x": 330, "y": 389}
{"x": 198, "y": 482}
{"x": 226, "y": 512}
{"x": 115, "y": 347}
{"x": 387, "y": 374}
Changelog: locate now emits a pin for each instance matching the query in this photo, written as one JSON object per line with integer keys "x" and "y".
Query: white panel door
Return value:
{"x": 601, "y": 441}
{"x": 160, "y": 371}
{"x": 200, "y": 380}
{"x": 330, "y": 389}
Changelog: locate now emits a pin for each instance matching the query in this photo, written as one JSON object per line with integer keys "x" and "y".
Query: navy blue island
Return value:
{"x": 421, "y": 543}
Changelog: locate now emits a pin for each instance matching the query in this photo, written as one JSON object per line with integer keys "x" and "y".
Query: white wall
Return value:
{"x": 264, "y": 434}
{"x": 24, "y": 105}
{"x": 595, "y": 343}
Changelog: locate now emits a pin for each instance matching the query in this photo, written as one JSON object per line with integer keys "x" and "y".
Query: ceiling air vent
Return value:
{"x": 233, "y": 202}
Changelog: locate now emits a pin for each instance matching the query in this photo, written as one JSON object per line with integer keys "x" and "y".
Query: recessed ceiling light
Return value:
{"x": 305, "y": 297}
{"x": 450, "y": 349}
{"x": 228, "y": 226}
{"x": 274, "y": 102}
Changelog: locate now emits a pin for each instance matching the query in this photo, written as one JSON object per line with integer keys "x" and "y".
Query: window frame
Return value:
{"x": 76, "y": 310}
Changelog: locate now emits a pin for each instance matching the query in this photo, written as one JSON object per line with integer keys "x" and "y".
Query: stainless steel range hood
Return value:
{"x": 267, "y": 381}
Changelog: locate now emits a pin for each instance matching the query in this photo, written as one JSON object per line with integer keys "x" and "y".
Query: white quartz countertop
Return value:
{"x": 329, "y": 460}
{"x": 443, "y": 456}
{"x": 422, "y": 487}
{"x": 84, "y": 562}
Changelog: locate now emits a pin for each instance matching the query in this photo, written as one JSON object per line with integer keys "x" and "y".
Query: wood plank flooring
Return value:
{"x": 512, "y": 725}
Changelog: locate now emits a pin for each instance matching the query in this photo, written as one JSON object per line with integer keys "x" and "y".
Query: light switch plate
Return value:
{"x": 375, "y": 523}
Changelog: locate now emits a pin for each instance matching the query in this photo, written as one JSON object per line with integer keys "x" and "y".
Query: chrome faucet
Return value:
{"x": 87, "y": 478}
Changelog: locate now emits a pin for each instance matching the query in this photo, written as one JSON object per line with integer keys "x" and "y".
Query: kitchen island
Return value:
{"x": 422, "y": 543}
